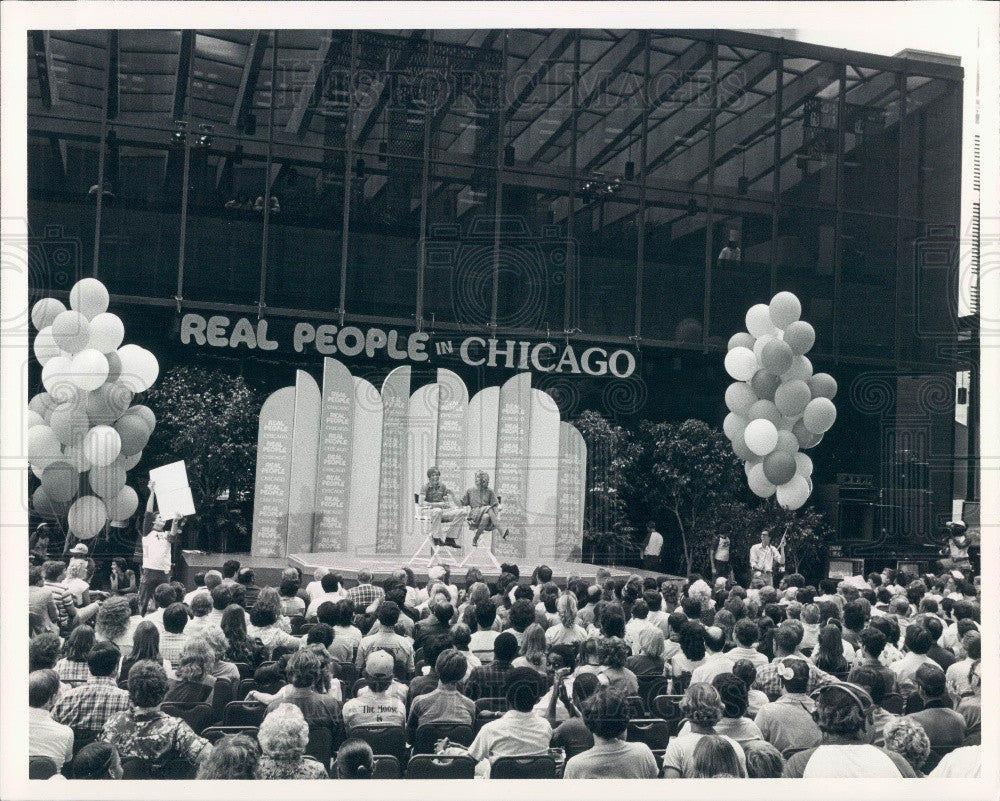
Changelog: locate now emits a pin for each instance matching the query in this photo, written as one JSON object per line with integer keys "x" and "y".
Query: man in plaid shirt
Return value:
{"x": 490, "y": 680}
{"x": 365, "y": 594}
{"x": 173, "y": 639}
{"x": 55, "y": 572}
{"x": 786, "y": 642}
{"x": 85, "y": 709}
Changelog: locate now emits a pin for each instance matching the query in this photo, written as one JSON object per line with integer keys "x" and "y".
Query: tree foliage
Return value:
{"x": 209, "y": 420}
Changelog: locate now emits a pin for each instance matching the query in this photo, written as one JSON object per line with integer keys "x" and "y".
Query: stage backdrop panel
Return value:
{"x": 366, "y": 459}
{"x": 481, "y": 421}
{"x": 543, "y": 476}
{"x": 421, "y": 453}
{"x": 511, "y": 477}
{"x": 453, "y": 405}
{"x": 393, "y": 507}
{"x": 305, "y": 446}
{"x": 571, "y": 495}
{"x": 274, "y": 466}
{"x": 333, "y": 466}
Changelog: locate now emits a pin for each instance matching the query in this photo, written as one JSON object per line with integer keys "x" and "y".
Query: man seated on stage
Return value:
{"x": 438, "y": 505}
{"x": 484, "y": 508}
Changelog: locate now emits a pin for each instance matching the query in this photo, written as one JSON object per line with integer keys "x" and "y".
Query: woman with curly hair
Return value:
{"x": 325, "y": 684}
{"x": 220, "y": 667}
{"x": 195, "y": 682}
{"x": 909, "y": 740}
{"x": 844, "y": 715}
{"x": 114, "y": 623}
{"x": 614, "y": 653}
{"x": 283, "y": 737}
{"x": 533, "y": 650}
{"x": 236, "y": 756}
{"x": 72, "y": 666}
{"x": 267, "y": 623}
{"x": 703, "y": 708}
{"x": 239, "y": 646}
{"x": 145, "y": 646}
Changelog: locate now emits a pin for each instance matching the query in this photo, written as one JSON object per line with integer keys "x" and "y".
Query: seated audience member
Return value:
{"x": 957, "y": 675}
{"x": 744, "y": 670}
{"x": 521, "y": 616}
{"x": 764, "y": 761}
{"x": 222, "y": 599}
{"x": 747, "y": 635}
{"x": 715, "y": 758}
{"x": 872, "y": 643}
{"x": 533, "y": 649}
{"x": 46, "y": 737}
{"x": 114, "y": 623}
{"x": 656, "y": 616}
{"x": 638, "y": 621}
{"x": 291, "y": 604}
{"x": 331, "y": 592}
{"x": 42, "y": 612}
{"x": 944, "y": 726}
{"x": 245, "y": 577}
{"x": 427, "y": 682}
{"x": 888, "y": 626}
{"x": 145, "y": 732}
{"x": 843, "y": 713}
{"x": 970, "y": 706}
{"x": 96, "y": 761}
{"x": 201, "y": 609}
{"x": 194, "y": 683}
{"x": 605, "y": 713}
{"x": 355, "y": 760}
{"x": 918, "y": 642}
{"x": 692, "y": 656}
{"x": 387, "y": 639}
{"x": 444, "y": 704}
{"x": 935, "y": 627}
{"x": 54, "y": 573}
{"x": 315, "y": 587}
{"x": 785, "y": 642}
{"x": 648, "y": 661}
{"x": 283, "y": 737}
{"x": 436, "y": 623}
{"x": 481, "y": 643}
{"x": 828, "y": 655}
{"x": 172, "y": 636}
{"x": 267, "y": 624}
{"x": 199, "y": 588}
{"x": 716, "y": 661}
{"x": 519, "y": 731}
{"x": 376, "y": 706}
{"x": 909, "y": 740}
{"x": 220, "y": 667}
{"x": 72, "y": 666}
{"x": 788, "y": 721}
{"x": 567, "y": 631}
{"x": 461, "y": 638}
{"x": 364, "y": 593}
{"x": 962, "y": 763}
{"x": 490, "y": 681}
{"x": 614, "y": 652}
{"x": 85, "y": 709}
{"x": 346, "y": 636}
{"x": 733, "y": 723}
{"x": 572, "y": 735}
{"x": 304, "y": 671}
{"x": 702, "y": 707}
{"x": 145, "y": 646}
{"x": 163, "y": 595}
{"x": 239, "y": 647}
{"x": 872, "y": 679}
{"x": 234, "y": 757}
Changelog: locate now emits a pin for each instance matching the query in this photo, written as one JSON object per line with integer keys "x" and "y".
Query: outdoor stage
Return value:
{"x": 268, "y": 570}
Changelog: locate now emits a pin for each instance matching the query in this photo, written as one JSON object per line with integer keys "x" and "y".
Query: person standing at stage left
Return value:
{"x": 764, "y": 558}
{"x": 652, "y": 550}
{"x": 156, "y": 550}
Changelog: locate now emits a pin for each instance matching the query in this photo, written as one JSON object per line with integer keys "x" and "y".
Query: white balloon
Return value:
{"x": 102, "y": 445}
{"x": 740, "y": 340}
{"x": 136, "y": 367}
{"x": 758, "y": 321}
{"x": 758, "y": 483}
{"x": 793, "y": 494}
{"x": 741, "y": 364}
{"x": 106, "y": 332}
{"x": 69, "y": 423}
{"x": 89, "y": 369}
{"x": 44, "y": 346}
{"x": 785, "y": 309}
{"x": 87, "y": 516}
{"x": 108, "y": 481}
{"x": 803, "y": 464}
{"x": 71, "y": 331}
{"x": 45, "y": 311}
{"x": 733, "y": 424}
{"x": 739, "y": 397}
{"x": 56, "y": 373}
{"x": 89, "y": 297}
{"x": 758, "y": 346}
{"x": 43, "y": 445}
{"x": 35, "y": 419}
{"x": 761, "y": 436}
{"x": 149, "y": 368}
{"x": 800, "y": 370}
{"x": 819, "y": 415}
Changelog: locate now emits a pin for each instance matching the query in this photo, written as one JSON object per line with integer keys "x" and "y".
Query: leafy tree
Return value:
{"x": 209, "y": 420}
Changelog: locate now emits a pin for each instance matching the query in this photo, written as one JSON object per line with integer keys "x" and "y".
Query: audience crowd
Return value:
{"x": 623, "y": 677}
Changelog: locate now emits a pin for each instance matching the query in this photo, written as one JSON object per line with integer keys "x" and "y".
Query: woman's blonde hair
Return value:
{"x": 651, "y": 642}
{"x": 197, "y": 658}
{"x": 533, "y": 646}
{"x": 284, "y": 733}
{"x": 566, "y": 607}
{"x": 702, "y": 704}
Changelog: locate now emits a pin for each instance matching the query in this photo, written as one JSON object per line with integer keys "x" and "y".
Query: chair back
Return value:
{"x": 681, "y": 683}
{"x": 222, "y": 694}
{"x": 894, "y": 703}
{"x": 245, "y": 669}
{"x": 636, "y": 709}
{"x": 244, "y": 713}
{"x": 386, "y": 767}
{"x": 197, "y": 715}
{"x": 346, "y": 672}
{"x": 41, "y": 767}
{"x": 649, "y": 688}
{"x": 383, "y": 739}
{"x": 428, "y": 735}
{"x": 668, "y": 707}
{"x": 487, "y": 710}
{"x": 320, "y": 745}
{"x": 215, "y": 733}
{"x": 246, "y": 685}
{"x": 430, "y": 766}
{"x": 541, "y": 766}
{"x": 654, "y": 732}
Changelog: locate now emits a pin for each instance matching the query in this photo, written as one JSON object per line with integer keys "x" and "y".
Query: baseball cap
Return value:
{"x": 80, "y": 549}
{"x": 379, "y": 663}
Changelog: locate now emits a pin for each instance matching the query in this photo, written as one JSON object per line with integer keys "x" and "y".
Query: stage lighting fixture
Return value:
{"x": 508, "y": 156}
{"x": 383, "y": 152}
{"x": 629, "y": 170}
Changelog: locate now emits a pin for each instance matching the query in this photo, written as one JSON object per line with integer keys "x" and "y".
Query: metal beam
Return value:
{"x": 312, "y": 90}
{"x": 243, "y": 101}
{"x": 40, "y": 41}
{"x": 113, "y": 52}
{"x": 183, "y": 76}
{"x": 485, "y": 47}
{"x": 401, "y": 62}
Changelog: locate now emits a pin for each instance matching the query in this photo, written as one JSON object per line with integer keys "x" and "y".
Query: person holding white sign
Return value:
{"x": 156, "y": 544}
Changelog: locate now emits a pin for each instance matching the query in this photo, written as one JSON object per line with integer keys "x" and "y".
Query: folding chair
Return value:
{"x": 244, "y": 713}
{"x": 636, "y": 709}
{"x": 428, "y": 734}
{"x": 383, "y": 739}
{"x": 215, "y": 733}
{"x": 668, "y": 707}
{"x": 654, "y": 732}
{"x": 245, "y": 669}
{"x": 487, "y": 710}
{"x": 222, "y": 694}
{"x": 320, "y": 745}
{"x": 429, "y": 766}
{"x": 541, "y": 766}
{"x": 386, "y": 767}
{"x": 649, "y": 688}
{"x": 197, "y": 716}
{"x": 246, "y": 685}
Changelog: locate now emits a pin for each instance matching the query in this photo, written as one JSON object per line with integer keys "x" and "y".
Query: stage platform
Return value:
{"x": 268, "y": 570}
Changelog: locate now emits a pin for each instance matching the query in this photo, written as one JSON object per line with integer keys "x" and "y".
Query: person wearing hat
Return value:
{"x": 844, "y": 716}
{"x": 944, "y": 726}
{"x": 376, "y": 706}
{"x": 956, "y": 548}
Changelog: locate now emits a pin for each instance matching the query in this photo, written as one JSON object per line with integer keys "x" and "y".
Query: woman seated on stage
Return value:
{"x": 484, "y": 511}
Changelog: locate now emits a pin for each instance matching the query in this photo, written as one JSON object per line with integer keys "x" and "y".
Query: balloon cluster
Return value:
{"x": 777, "y": 407}
{"x": 84, "y": 434}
